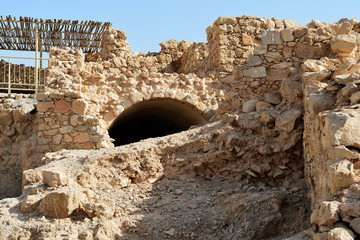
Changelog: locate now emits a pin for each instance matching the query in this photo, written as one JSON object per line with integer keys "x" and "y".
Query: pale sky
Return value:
{"x": 151, "y": 22}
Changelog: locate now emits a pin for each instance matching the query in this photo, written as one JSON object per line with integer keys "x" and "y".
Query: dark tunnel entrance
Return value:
{"x": 153, "y": 118}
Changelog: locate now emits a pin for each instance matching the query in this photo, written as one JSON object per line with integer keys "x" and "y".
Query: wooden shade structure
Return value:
{"x": 29, "y": 34}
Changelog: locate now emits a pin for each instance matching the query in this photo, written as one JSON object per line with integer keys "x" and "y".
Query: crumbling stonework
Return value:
{"x": 280, "y": 108}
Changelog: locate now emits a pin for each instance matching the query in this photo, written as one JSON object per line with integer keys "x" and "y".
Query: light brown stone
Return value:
{"x": 271, "y": 37}
{"x": 30, "y": 203}
{"x": 341, "y": 234}
{"x": 82, "y": 138}
{"x": 288, "y": 120}
{"x": 341, "y": 175}
{"x": 79, "y": 106}
{"x": 320, "y": 102}
{"x": 54, "y": 178}
{"x": 286, "y": 35}
{"x": 44, "y": 106}
{"x": 61, "y": 106}
{"x": 343, "y": 44}
{"x": 255, "y": 72}
{"x": 61, "y": 204}
{"x": 246, "y": 40}
{"x": 328, "y": 213}
{"x": 249, "y": 106}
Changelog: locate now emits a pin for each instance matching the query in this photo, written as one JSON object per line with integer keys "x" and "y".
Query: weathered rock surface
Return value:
{"x": 279, "y": 105}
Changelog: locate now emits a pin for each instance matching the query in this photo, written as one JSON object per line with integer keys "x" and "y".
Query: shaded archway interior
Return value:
{"x": 154, "y": 118}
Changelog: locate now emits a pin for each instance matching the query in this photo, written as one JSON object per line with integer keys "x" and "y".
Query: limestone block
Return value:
{"x": 54, "y": 178}
{"x": 349, "y": 67}
{"x": 61, "y": 204}
{"x": 290, "y": 23}
{"x": 288, "y": 120}
{"x": 350, "y": 209}
{"x": 66, "y": 129}
{"x": 349, "y": 89}
{"x": 341, "y": 234}
{"x": 307, "y": 51}
{"x": 271, "y": 37}
{"x": 286, "y": 35}
{"x": 249, "y": 106}
{"x": 273, "y": 98}
{"x": 44, "y": 106}
{"x": 51, "y": 132}
{"x": 79, "y": 106}
{"x": 272, "y": 56}
{"x": 108, "y": 117}
{"x": 171, "y": 44}
{"x": 68, "y": 138}
{"x": 347, "y": 78}
{"x": 254, "y": 61}
{"x": 263, "y": 106}
{"x": 82, "y": 138}
{"x": 311, "y": 65}
{"x": 61, "y": 106}
{"x": 246, "y": 40}
{"x": 320, "y": 102}
{"x": 260, "y": 50}
{"x": 343, "y": 43}
{"x": 341, "y": 175}
{"x": 76, "y": 120}
{"x": 30, "y": 203}
{"x": 328, "y": 213}
{"x": 31, "y": 176}
{"x": 341, "y": 128}
{"x": 275, "y": 74}
{"x": 355, "y": 98}
{"x": 287, "y": 52}
{"x": 57, "y": 139}
{"x": 255, "y": 72}
{"x": 41, "y": 96}
{"x": 97, "y": 138}
{"x": 355, "y": 225}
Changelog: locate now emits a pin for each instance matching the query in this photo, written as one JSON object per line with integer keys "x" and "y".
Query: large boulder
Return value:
{"x": 328, "y": 213}
{"x": 341, "y": 234}
{"x": 341, "y": 128}
{"x": 343, "y": 44}
{"x": 341, "y": 175}
{"x": 61, "y": 204}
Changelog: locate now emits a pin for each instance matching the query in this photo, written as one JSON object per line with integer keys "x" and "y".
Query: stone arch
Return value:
{"x": 154, "y": 118}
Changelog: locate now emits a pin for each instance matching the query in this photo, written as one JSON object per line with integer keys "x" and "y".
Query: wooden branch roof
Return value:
{"x": 21, "y": 34}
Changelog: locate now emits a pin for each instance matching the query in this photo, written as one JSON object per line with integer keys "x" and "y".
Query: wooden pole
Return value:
{"x": 36, "y": 57}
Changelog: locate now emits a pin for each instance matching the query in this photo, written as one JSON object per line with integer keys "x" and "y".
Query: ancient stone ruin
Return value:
{"x": 252, "y": 135}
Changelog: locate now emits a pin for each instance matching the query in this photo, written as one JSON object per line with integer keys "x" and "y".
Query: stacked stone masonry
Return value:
{"x": 284, "y": 97}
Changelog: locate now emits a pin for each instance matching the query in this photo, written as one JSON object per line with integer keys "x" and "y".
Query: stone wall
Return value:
{"x": 16, "y": 128}
{"x": 285, "y": 98}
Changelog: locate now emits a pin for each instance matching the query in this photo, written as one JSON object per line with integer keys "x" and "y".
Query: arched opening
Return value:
{"x": 153, "y": 118}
